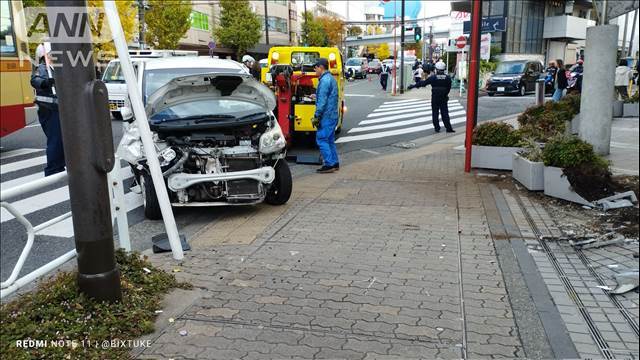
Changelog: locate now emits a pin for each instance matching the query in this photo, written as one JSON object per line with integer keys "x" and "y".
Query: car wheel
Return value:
{"x": 523, "y": 89}
{"x": 280, "y": 190}
{"x": 149, "y": 198}
{"x": 491, "y": 94}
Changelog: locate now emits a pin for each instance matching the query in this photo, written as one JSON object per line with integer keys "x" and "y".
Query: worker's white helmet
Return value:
{"x": 248, "y": 58}
{"x": 440, "y": 65}
{"x": 43, "y": 49}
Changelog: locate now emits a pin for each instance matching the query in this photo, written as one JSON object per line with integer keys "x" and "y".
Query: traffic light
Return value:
{"x": 417, "y": 33}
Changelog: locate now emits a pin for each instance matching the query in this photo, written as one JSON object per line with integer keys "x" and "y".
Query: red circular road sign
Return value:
{"x": 461, "y": 42}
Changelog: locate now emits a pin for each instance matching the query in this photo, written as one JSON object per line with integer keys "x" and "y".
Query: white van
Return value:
{"x": 114, "y": 79}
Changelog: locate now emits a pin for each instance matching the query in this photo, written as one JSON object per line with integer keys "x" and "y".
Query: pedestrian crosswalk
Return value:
{"x": 400, "y": 117}
{"x": 25, "y": 165}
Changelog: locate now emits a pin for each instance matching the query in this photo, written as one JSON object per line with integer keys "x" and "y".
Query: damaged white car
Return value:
{"x": 217, "y": 141}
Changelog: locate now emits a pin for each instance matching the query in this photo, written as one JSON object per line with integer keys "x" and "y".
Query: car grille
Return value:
{"x": 118, "y": 103}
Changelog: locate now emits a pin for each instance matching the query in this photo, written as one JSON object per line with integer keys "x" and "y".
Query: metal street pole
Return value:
{"x": 266, "y": 23}
{"x": 395, "y": 48}
{"x": 402, "y": 48}
{"x": 633, "y": 32}
{"x": 430, "y": 42}
{"x": 473, "y": 76}
{"x": 141, "y": 24}
{"x": 88, "y": 148}
{"x": 624, "y": 35}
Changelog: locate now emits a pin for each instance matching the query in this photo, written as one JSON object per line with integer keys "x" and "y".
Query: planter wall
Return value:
{"x": 575, "y": 124}
{"x": 630, "y": 110}
{"x": 617, "y": 108}
{"x": 558, "y": 186}
{"x": 528, "y": 173}
{"x": 493, "y": 157}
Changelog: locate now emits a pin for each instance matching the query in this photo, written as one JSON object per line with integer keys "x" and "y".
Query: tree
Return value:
{"x": 382, "y": 51}
{"x": 239, "y": 26}
{"x": 128, "y": 14}
{"x": 312, "y": 32}
{"x": 354, "y": 31}
{"x": 333, "y": 28}
{"x": 167, "y": 22}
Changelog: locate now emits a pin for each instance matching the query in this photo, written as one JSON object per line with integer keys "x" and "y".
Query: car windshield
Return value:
{"x": 154, "y": 79}
{"x": 304, "y": 59}
{"x": 215, "y": 108}
{"x": 113, "y": 73}
{"x": 510, "y": 68}
{"x": 354, "y": 62}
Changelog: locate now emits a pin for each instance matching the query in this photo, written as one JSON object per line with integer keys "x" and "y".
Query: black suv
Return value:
{"x": 514, "y": 77}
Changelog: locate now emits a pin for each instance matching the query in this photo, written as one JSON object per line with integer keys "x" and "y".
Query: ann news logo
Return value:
{"x": 62, "y": 24}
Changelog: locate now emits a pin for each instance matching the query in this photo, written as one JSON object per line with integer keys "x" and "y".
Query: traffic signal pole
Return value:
{"x": 88, "y": 148}
{"x": 402, "y": 47}
{"x": 474, "y": 74}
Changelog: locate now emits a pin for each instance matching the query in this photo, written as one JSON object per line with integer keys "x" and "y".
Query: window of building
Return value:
{"x": 275, "y": 24}
{"x": 280, "y": 2}
{"x": 7, "y": 37}
{"x": 293, "y": 15}
{"x": 199, "y": 20}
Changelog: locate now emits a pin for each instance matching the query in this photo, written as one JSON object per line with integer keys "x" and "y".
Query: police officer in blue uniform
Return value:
{"x": 48, "y": 115}
{"x": 440, "y": 86}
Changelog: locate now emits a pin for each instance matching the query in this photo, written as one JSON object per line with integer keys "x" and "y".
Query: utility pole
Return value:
{"x": 474, "y": 74}
{"x": 88, "y": 148}
{"x": 624, "y": 36}
{"x": 402, "y": 48}
{"x": 430, "y": 42}
{"x": 141, "y": 24}
{"x": 266, "y": 23}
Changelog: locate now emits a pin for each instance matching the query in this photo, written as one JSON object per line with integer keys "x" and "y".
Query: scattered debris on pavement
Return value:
{"x": 627, "y": 281}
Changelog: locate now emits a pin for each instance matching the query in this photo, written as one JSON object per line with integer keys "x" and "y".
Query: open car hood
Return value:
{"x": 233, "y": 86}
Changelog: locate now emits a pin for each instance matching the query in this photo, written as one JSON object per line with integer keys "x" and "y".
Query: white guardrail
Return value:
{"x": 118, "y": 214}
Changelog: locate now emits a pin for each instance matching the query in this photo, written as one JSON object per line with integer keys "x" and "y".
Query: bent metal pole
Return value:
{"x": 143, "y": 128}
{"x": 472, "y": 93}
{"x": 88, "y": 146}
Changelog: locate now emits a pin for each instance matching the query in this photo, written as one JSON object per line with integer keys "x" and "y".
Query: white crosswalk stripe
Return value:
{"x": 52, "y": 200}
{"x": 394, "y": 118}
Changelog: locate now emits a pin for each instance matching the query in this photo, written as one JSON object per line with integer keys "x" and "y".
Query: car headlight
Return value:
{"x": 272, "y": 140}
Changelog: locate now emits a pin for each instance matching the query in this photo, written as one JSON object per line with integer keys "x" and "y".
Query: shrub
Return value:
{"x": 633, "y": 99}
{"x": 541, "y": 122}
{"x": 531, "y": 150}
{"x": 496, "y": 134}
{"x": 570, "y": 152}
{"x": 57, "y": 311}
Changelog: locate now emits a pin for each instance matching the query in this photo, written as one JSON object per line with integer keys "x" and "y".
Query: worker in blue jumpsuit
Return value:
{"x": 325, "y": 118}
{"x": 48, "y": 114}
{"x": 440, "y": 86}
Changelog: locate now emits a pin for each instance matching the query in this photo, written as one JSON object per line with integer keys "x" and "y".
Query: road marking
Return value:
{"x": 382, "y": 134}
{"x": 405, "y": 109}
{"x": 358, "y": 95}
{"x": 422, "y": 102}
{"x": 402, "y": 116}
{"x": 19, "y": 181}
{"x": 49, "y": 198}
{"x": 19, "y": 165}
{"x": 65, "y": 227}
{"x": 424, "y": 119}
{"x": 402, "y": 101}
{"x": 412, "y": 106}
{"x": 17, "y": 152}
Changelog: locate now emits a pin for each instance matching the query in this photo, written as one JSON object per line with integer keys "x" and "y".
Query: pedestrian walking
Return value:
{"x": 624, "y": 74}
{"x": 417, "y": 74}
{"x": 384, "y": 76}
{"x": 560, "y": 81}
{"x": 48, "y": 115}
{"x": 325, "y": 118}
{"x": 440, "y": 87}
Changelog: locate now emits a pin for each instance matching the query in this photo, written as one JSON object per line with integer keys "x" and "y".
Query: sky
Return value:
{"x": 357, "y": 8}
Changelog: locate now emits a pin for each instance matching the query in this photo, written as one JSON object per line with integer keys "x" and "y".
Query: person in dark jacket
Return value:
{"x": 48, "y": 115}
{"x": 384, "y": 76}
{"x": 440, "y": 86}
{"x": 560, "y": 81}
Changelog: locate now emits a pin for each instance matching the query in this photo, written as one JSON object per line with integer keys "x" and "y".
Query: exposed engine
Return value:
{"x": 214, "y": 153}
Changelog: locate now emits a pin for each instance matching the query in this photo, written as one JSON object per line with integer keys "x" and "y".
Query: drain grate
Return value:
{"x": 623, "y": 311}
{"x": 595, "y": 333}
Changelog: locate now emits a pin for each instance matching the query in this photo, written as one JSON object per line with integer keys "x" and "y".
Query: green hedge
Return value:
{"x": 543, "y": 122}
{"x": 496, "y": 134}
{"x": 571, "y": 151}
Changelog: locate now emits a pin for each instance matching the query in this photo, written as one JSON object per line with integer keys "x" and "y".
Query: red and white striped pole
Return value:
{"x": 474, "y": 67}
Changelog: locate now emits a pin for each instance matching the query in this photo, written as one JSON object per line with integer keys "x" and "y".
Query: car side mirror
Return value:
{"x": 127, "y": 114}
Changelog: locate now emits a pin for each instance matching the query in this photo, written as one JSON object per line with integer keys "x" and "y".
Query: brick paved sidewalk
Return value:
{"x": 363, "y": 263}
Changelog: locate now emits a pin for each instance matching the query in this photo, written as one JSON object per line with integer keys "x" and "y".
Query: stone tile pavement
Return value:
{"x": 390, "y": 258}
